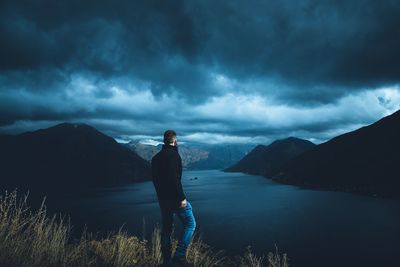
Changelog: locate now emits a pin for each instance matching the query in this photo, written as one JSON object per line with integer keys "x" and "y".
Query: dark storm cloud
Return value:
{"x": 151, "y": 40}
{"x": 350, "y": 43}
{"x": 66, "y": 60}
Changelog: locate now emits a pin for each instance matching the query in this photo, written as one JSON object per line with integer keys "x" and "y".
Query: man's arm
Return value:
{"x": 174, "y": 175}
{"x": 154, "y": 173}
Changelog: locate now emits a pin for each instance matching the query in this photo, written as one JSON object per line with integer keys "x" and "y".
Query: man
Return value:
{"x": 167, "y": 173}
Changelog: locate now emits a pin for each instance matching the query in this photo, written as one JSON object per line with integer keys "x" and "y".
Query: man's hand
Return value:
{"x": 183, "y": 203}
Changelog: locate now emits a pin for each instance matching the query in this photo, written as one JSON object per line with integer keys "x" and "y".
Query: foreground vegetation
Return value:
{"x": 33, "y": 238}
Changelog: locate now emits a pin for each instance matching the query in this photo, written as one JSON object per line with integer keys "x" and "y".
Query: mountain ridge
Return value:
{"x": 266, "y": 159}
{"x": 68, "y": 155}
{"x": 363, "y": 160}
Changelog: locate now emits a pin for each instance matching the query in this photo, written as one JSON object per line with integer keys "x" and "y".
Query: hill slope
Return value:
{"x": 365, "y": 160}
{"x": 266, "y": 160}
{"x": 68, "y": 156}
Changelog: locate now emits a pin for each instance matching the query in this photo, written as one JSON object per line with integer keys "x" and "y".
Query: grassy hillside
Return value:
{"x": 33, "y": 238}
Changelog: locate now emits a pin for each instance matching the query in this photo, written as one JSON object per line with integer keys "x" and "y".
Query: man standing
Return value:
{"x": 167, "y": 173}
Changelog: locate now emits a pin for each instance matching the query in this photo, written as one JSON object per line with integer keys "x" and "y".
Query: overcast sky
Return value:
{"x": 214, "y": 71}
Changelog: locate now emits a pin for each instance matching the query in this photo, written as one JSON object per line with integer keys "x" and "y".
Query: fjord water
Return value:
{"x": 234, "y": 210}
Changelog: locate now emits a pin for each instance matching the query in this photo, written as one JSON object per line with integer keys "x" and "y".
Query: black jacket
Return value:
{"x": 166, "y": 168}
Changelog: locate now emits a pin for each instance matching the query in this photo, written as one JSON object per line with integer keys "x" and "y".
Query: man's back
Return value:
{"x": 167, "y": 173}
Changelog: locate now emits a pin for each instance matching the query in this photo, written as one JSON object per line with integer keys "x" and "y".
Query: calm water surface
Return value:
{"x": 234, "y": 210}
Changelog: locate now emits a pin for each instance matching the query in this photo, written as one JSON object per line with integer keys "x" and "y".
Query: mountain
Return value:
{"x": 220, "y": 156}
{"x": 146, "y": 151}
{"x": 266, "y": 160}
{"x": 196, "y": 155}
{"x": 365, "y": 160}
{"x": 68, "y": 156}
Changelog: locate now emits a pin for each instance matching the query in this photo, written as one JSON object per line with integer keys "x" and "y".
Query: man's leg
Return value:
{"x": 167, "y": 217}
{"x": 189, "y": 225}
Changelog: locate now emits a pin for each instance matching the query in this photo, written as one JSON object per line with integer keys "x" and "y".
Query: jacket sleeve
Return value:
{"x": 154, "y": 168}
{"x": 174, "y": 170}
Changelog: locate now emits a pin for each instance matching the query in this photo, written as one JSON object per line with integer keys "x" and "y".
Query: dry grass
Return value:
{"x": 32, "y": 238}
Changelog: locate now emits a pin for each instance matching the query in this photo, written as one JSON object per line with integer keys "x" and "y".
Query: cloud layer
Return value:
{"x": 213, "y": 71}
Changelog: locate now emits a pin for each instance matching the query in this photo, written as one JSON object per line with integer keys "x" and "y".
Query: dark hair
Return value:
{"x": 168, "y": 136}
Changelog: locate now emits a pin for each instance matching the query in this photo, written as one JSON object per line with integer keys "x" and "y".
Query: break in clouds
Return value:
{"x": 215, "y": 71}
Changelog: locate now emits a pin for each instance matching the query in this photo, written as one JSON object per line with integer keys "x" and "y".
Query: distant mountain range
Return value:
{"x": 68, "y": 156}
{"x": 365, "y": 160}
{"x": 188, "y": 154}
{"x": 74, "y": 156}
{"x": 198, "y": 156}
{"x": 266, "y": 160}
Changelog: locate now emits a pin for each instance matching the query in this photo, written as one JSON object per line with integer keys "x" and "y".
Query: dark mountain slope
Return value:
{"x": 365, "y": 160}
{"x": 68, "y": 156}
{"x": 266, "y": 160}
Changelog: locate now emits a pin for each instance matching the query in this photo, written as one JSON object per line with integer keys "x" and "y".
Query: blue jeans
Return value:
{"x": 189, "y": 224}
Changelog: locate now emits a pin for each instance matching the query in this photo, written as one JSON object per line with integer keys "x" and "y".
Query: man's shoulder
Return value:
{"x": 156, "y": 156}
{"x": 166, "y": 154}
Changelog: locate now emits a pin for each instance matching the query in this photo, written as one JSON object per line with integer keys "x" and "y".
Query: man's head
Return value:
{"x": 170, "y": 137}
